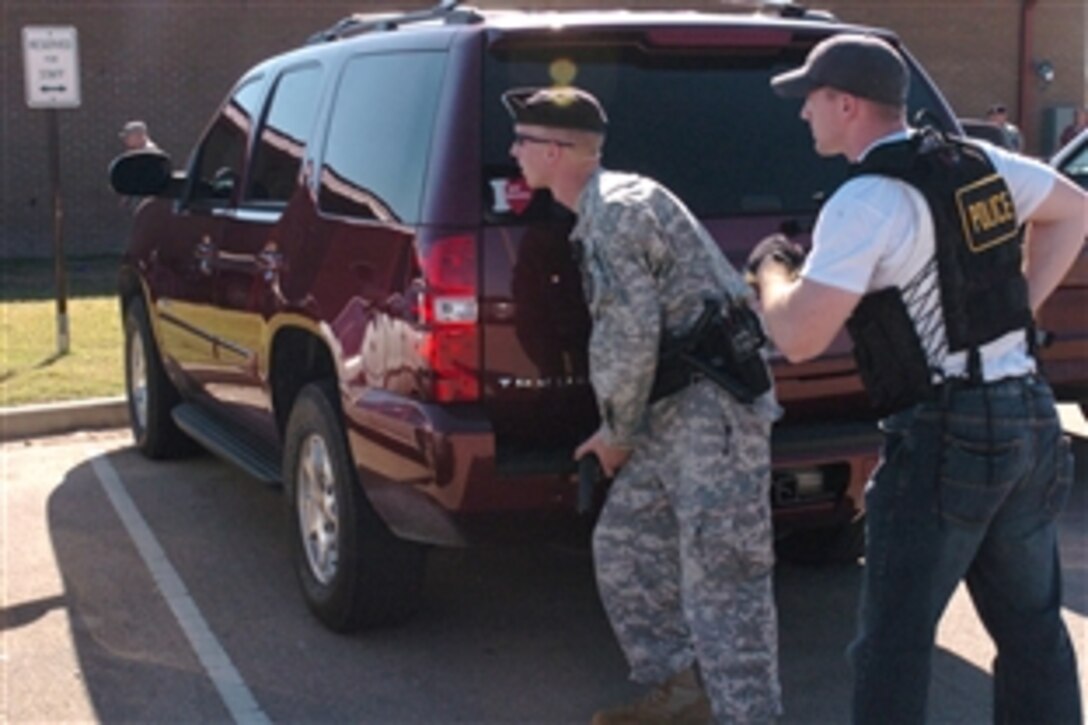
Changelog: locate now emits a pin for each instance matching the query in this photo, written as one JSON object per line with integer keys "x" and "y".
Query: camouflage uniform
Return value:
{"x": 683, "y": 548}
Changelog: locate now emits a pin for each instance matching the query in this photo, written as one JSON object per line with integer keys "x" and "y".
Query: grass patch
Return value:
{"x": 30, "y": 369}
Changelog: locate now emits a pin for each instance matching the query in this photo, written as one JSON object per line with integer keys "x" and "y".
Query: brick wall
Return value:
{"x": 170, "y": 62}
{"x": 970, "y": 49}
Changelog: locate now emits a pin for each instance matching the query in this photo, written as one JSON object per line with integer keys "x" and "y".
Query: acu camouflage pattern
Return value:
{"x": 647, "y": 266}
{"x": 683, "y": 547}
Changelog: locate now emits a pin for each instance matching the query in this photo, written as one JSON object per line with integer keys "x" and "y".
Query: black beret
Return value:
{"x": 556, "y": 107}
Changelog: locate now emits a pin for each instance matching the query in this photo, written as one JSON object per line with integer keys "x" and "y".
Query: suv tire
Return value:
{"x": 150, "y": 394}
{"x": 354, "y": 572}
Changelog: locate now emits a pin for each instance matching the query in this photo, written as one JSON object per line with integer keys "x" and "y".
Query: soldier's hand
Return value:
{"x": 778, "y": 247}
{"x": 611, "y": 457}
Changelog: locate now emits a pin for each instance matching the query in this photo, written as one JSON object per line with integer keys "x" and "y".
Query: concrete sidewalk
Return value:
{"x": 56, "y": 418}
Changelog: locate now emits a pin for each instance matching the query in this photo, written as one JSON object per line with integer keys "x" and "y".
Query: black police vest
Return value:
{"x": 983, "y": 290}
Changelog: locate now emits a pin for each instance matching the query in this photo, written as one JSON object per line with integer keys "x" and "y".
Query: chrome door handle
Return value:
{"x": 205, "y": 254}
{"x": 269, "y": 264}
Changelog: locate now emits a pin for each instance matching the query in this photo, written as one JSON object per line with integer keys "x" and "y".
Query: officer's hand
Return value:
{"x": 778, "y": 247}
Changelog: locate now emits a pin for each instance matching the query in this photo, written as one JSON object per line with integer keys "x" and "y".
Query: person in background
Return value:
{"x": 935, "y": 255}
{"x": 683, "y": 548}
{"x": 998, "y": 115}
{"x": 134, "y": 136}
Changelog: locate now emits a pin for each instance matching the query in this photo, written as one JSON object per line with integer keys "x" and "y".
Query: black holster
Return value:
{"x": 725, "y": 349}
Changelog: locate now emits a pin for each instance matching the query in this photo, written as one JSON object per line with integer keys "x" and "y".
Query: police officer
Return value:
{"x": 936, "y": 254}
{"x": 683, "y": 546}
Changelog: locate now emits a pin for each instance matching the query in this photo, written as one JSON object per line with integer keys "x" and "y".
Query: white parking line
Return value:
{"x": 228, "y": 682}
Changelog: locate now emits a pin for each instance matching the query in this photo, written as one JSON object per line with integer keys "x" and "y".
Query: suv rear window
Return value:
{"x": 380, "y": 136}
{"x": 706, "y": 125}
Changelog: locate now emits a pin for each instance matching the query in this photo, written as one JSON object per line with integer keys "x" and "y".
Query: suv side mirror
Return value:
{"x": 147, "y": 172}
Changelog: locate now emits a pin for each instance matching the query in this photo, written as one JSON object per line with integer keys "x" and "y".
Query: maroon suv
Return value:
{"x": 350, "y": 291}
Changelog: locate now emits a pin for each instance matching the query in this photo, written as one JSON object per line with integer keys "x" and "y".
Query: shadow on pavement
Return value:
{"x": 509, "y": 635}
{"x": 132, "y": 655}
{"x": 23, "y": 614}
{"x": 35, "y": 279}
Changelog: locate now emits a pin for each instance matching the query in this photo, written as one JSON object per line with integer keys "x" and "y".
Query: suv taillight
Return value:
{"x": 449, "y": 313}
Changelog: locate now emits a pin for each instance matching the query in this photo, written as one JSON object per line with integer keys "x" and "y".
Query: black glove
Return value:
{"x": 779, "y": 246}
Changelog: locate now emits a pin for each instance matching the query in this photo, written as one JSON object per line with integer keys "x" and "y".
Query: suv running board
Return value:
{"x": 219, "y": 438}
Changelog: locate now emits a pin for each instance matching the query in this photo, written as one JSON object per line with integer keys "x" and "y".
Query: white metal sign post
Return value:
{"x": 51, "y": 62}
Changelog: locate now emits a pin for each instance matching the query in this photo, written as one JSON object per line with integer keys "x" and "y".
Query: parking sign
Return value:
{"x": 51, "y": 60}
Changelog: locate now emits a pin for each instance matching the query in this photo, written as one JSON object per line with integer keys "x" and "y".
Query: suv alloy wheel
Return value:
{"x": 149, "y": 392}
{"x": 354, "y": 572}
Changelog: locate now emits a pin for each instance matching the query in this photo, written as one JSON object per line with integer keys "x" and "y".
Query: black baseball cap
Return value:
{"x": 556, "y": 107}
{"x": 861, "y": 65}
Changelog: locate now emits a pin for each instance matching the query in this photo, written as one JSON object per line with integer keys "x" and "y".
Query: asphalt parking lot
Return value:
{"x": 132, "y": 591}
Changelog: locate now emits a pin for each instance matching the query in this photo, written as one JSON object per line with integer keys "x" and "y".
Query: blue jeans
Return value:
{"x": 969, "y": 487}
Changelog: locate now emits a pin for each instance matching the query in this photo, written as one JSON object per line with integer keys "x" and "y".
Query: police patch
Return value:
{"x": 987, "y": 213}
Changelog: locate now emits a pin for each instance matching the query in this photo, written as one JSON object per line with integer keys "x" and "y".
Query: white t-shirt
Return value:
{"x": 877, "y": 232}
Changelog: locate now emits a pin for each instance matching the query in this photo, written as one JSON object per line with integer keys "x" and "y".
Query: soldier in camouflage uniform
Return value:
{"x": 683, "y": 547}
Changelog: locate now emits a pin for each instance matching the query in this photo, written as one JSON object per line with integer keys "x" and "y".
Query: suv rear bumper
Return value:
{"x": 820, "y": 471}
{"x": 433, "y": 474}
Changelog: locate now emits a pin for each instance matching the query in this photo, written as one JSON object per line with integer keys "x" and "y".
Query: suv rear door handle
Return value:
{"x": 205, "y": 254}
{"x": 269, "y": 263}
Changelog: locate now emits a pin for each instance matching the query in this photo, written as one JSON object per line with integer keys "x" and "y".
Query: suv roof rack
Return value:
{"x": 452, "y": 12}
{"x": 789, "y": 9}
{"x": 783, "y": 9}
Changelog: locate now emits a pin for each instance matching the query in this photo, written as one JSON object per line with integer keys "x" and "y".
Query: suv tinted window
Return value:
{"x": 379, "y": 136}
{"x": 706, "y": 125}
{"x": 284, "y": 135}
{"x": 221, "y": 156}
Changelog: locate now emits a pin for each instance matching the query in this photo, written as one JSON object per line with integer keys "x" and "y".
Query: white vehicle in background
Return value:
{"x": 1072, "y": 159}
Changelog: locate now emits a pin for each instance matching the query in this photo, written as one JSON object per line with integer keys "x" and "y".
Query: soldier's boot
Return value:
{"x": 680, "y": 700}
